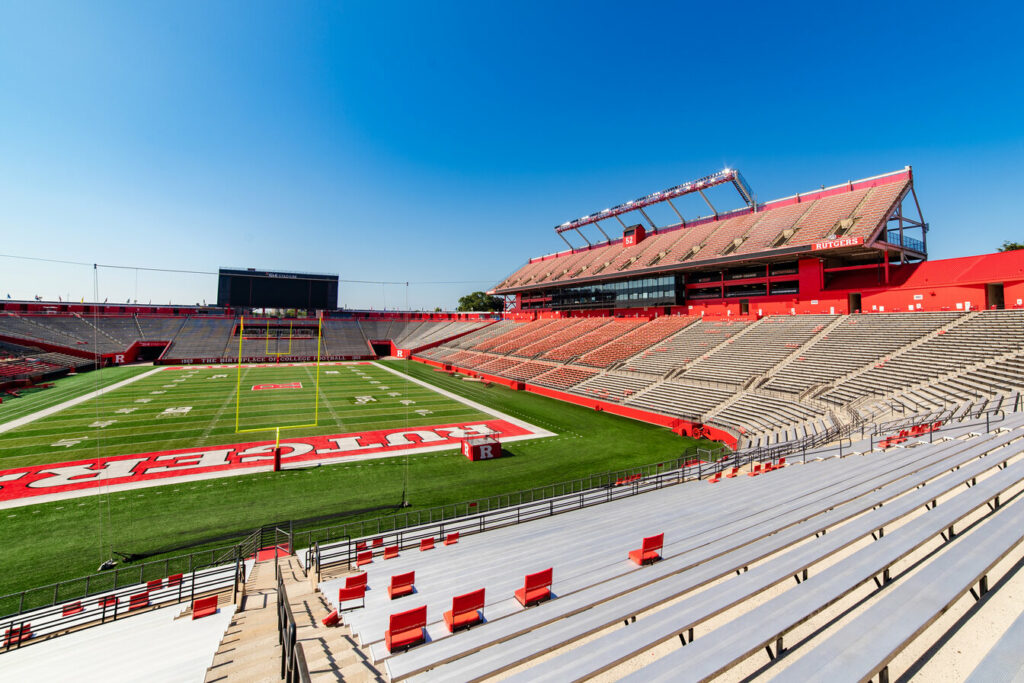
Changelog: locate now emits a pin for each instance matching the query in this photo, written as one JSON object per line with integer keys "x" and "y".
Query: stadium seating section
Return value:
{"x": 768, "y": 380}
{"x": 776, "y": 225}
{"x": 723, "y": 583}
{"x": 214, "y": 337}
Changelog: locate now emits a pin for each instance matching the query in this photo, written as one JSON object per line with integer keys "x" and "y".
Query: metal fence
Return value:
{"x": 100, "y": 607}
{"x": 119, "y": 577}
{"x": 438, "y": 514}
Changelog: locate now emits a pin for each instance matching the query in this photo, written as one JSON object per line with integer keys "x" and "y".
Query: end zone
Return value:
{"x": 59, "y": 481}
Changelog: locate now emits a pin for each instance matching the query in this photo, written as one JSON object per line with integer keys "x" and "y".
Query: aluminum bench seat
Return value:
{"x": 865, "y": 645}
{"x": 593, "y": 555}
{"x": 709, "y": 562}
{"x": 760, "y": 627}
{"x": 1005, "y": 661}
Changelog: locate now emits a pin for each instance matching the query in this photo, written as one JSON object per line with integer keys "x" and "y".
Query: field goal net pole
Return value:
{"x": 316, "y": 389}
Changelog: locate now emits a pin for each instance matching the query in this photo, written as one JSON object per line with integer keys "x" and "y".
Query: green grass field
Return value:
{"x": 48, "y": 542}
{"x": 189, "y": 407}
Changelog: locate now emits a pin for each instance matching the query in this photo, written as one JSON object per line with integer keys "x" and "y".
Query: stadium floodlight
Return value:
{"x": 728, "y": 175}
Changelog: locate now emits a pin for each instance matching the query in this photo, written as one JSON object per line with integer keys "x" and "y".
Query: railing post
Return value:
{"x": 234, "y": 584}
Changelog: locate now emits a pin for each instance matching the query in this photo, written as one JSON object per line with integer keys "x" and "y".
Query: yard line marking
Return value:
{"x": 46, "y": 412}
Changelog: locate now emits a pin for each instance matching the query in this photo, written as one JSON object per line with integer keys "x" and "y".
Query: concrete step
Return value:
{"x": 240, "y": 651}
{"x": 263, "y": 670}
{"x": 337, "y": 658}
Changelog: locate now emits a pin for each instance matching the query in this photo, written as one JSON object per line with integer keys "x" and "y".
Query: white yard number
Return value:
{"x": 173, "y": 412}
{"x": 360, "y": 400}
{"x": 68, "y": 443}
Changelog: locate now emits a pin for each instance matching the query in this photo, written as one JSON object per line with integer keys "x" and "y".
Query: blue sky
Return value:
{"x": 440, "y": 142}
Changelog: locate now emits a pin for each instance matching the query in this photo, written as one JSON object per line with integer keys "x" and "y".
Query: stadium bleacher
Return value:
{"x": 741, "y": 232}
{"x": 765, "y": 380}
{"x": 212, "y": 337}
{"x": 773, "y": 529}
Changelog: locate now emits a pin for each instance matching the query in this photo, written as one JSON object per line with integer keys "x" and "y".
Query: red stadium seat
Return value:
{"x": 536, "y": 588}
{"x": 204, "y": 607}
{"x": 16, "y": 634}
{"x": 138, "y": 600}
{"x": 465, "y": 611}
{"x": 347, "y": 594}
{"x": 648, "y": 551}
{"x": 406, "y": 629}
{"x": 402, "y": 585}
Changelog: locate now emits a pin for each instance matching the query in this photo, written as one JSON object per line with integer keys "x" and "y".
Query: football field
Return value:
{"x": 53, "y": 539}
{"x": 195, "y": 406}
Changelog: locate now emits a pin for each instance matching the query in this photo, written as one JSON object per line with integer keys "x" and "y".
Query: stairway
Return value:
{"x": 249, "y": 650}
{"x": 332, "y": 654}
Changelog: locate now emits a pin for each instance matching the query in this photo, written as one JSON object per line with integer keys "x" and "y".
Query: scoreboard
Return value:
{"x": 252, "y": 288}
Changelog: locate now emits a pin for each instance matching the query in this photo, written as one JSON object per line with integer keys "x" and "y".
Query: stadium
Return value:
{"x": 774, "y": 441}
{"x": 446, "y": 342}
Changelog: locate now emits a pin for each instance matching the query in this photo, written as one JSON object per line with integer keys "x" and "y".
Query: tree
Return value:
{"x": 479, "y": 301}
{"x": 1011, "y": 246}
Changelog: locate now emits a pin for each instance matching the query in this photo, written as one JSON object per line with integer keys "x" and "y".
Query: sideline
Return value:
{"x": 46, "y": 412}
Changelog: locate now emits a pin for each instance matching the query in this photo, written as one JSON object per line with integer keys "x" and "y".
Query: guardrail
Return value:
{"x": 114, "y": 579}
{"x": 378, "y": 525}
{"x": 473, "y": 523}
{"x": 293, "y": 657}
{"x": 98, "y": 608}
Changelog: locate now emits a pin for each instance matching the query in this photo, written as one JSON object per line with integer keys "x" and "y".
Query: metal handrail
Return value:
{"x": 111, "y": 580}
{"x": 344, "y": 552}
{"x": 293, "y": 657}
{"x": 78, "y": 613}
{"x": 378, "y": 525}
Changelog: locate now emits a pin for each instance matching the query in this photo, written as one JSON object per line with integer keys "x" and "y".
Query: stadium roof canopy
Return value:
{"x": 857, "y": 222}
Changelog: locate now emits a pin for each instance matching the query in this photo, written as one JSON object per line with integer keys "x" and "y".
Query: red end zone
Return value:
{"x": 128, "y": 470}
